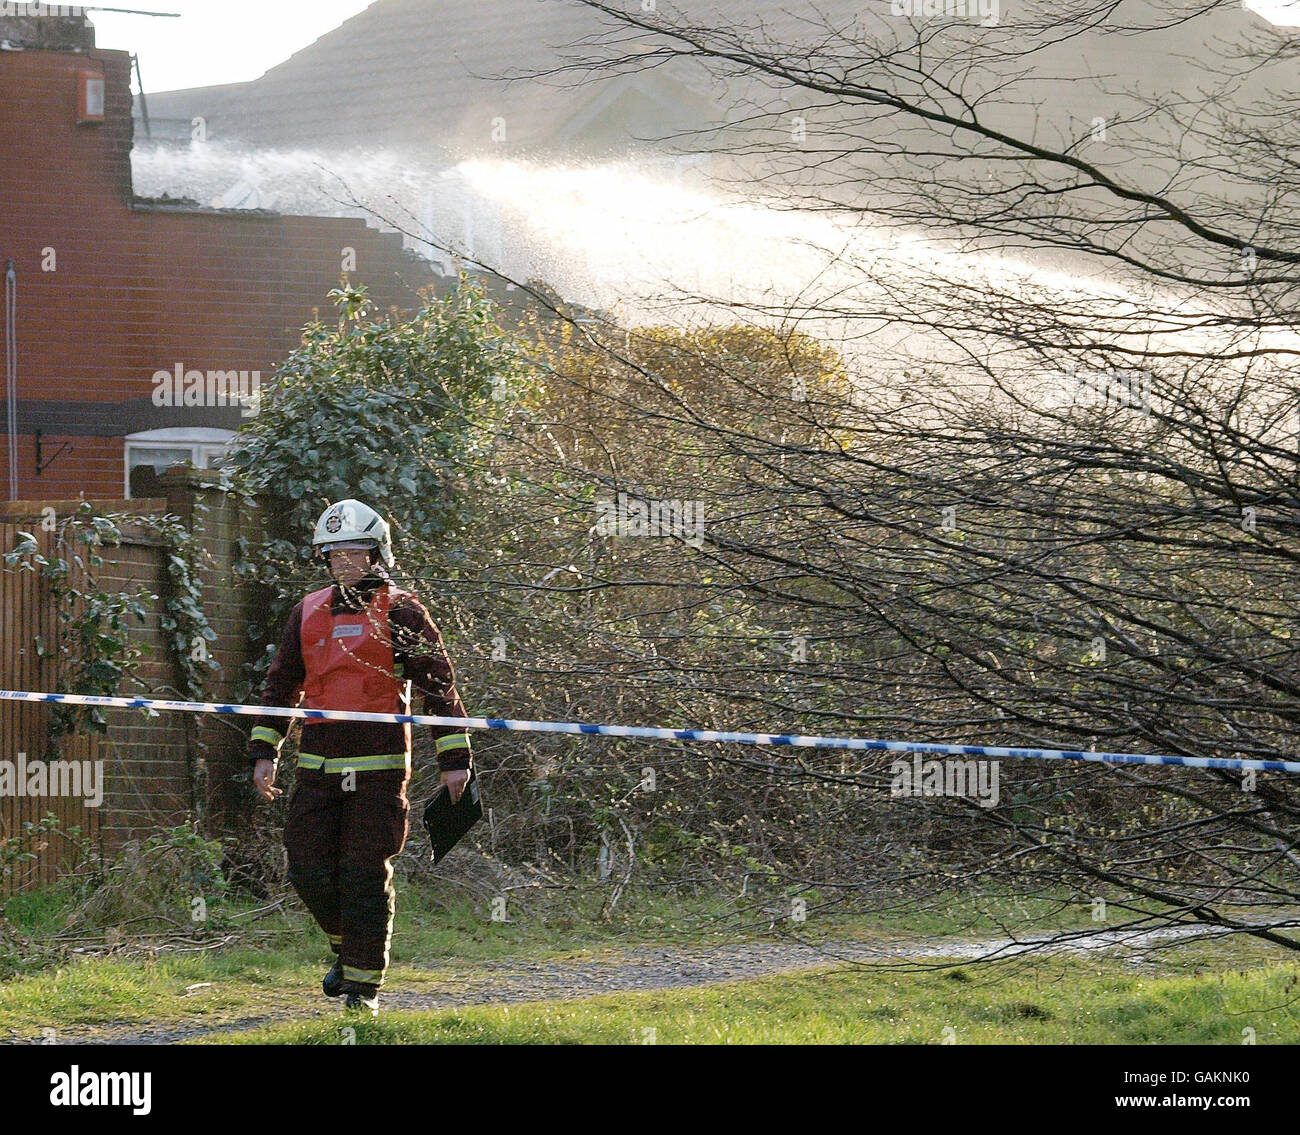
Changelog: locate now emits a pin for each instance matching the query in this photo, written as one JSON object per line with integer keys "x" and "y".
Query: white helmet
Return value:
{"x": 353, "y": 524}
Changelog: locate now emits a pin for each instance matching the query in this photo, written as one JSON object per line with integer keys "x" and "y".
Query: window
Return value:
{"x": 153, "y": 452}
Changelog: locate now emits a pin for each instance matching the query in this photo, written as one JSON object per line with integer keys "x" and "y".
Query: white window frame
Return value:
{"x": 204, "y": 443}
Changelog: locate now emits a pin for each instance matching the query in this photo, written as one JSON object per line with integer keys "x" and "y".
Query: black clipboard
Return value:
{"x": 447, "y": 822}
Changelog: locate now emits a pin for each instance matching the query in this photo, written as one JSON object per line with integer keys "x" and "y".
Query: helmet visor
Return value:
{"x": 348, "y": 545}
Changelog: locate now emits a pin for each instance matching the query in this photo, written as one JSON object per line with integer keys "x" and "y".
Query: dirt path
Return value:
{"x": 648, "y": 968}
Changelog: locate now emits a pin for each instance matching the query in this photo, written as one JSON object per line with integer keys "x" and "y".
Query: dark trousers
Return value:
{"x": 341, "y": 845}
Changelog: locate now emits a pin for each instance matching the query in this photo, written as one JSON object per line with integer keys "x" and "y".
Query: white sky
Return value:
{"x": 1285, "y": 13}
{"x": 231, "y": 41}
{"x": 216, "y": 41}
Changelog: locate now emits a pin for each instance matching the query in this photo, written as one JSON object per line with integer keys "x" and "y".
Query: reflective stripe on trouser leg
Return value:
{"x": 373, "y": 833}
{"x": 368, "y": 903}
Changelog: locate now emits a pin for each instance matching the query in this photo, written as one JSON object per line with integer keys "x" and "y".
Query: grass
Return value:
{"x": 429, "y": 925}
{"x": 1046, "y": 1001}
{"x": 276, "y": 967}
{"x": 39, "y": 912}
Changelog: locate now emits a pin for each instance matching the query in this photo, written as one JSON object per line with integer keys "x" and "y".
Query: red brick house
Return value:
{"x": 108, "y": 290}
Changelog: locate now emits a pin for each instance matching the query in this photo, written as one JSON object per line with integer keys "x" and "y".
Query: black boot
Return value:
{"x": 332, "y": 984}
{"x": 361, "y": 1003}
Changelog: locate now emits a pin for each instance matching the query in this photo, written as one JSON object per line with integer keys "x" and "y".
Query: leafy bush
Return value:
{"x": 397, "y": 412}
{"x": 156, "y": 881}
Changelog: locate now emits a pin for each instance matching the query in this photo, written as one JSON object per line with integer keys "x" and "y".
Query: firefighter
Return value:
{"x": 360, "y": 644}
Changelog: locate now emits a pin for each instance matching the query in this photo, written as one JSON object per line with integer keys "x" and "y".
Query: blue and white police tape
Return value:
{"x": 650, "y": 733}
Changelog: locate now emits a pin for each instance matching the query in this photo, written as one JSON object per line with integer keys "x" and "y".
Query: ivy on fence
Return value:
{"x": 95, "y": 647}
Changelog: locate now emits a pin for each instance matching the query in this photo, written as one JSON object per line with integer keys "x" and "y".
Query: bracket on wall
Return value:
{"x": 41, "y": 466}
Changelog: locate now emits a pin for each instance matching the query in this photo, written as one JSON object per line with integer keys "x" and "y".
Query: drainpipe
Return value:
{"x": 11, "y": 374}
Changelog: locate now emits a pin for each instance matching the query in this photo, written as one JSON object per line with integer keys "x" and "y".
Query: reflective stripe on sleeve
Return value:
{"x": 451, "y": 742}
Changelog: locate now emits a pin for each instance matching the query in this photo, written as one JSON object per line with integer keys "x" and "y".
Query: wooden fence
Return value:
{"x": 158, "y": 771}
{"x": 29, "y": 631}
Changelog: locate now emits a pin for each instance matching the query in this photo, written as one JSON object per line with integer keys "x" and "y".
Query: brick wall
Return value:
{"x": 139, "y": 287}
{"x": 149, "y": 781}
{"x": 164, "y": 770}
{"x": 219, "y": 521}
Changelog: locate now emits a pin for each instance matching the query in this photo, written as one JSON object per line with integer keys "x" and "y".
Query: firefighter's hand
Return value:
{"x": 264, "y": 779}
{"x": 455, "y": 779}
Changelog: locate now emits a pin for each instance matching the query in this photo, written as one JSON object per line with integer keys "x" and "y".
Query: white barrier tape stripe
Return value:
{"x": 651, "y": 733}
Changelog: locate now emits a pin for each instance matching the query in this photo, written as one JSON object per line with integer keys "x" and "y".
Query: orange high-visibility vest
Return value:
{"x": 349, "y": 657}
